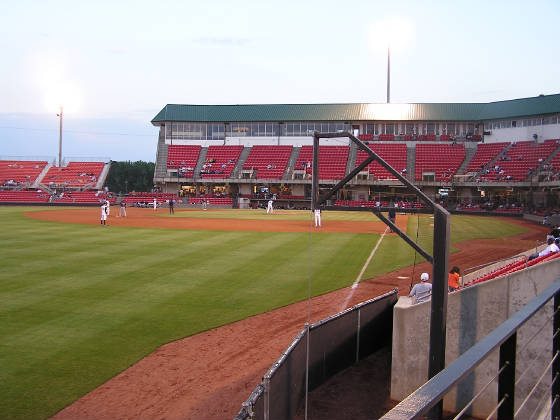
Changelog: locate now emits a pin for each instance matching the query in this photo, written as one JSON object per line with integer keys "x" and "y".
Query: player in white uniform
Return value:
{"x": 317, "y": 217}
{"x": 269, "y": 208}
{"x": 108, "y": 207}
{"x": 155, "y": 204}
{"x": 104, "y": 214}
{"x": 122, "y": 209}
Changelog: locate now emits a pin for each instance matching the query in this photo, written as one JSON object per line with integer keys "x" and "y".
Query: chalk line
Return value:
{"x": 366, "y": 264}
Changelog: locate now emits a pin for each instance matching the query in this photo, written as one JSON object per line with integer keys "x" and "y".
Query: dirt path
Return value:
{"x": 147, "y": 218}
{"x": 210, "y": 374}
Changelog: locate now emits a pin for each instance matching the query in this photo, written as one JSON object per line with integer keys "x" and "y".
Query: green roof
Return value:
{"x": 545, "y": 104}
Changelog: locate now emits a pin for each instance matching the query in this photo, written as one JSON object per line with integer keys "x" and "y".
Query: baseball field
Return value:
{"x": 81, "y": 303}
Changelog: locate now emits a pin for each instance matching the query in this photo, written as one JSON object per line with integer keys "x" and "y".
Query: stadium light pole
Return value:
{"x": 59, "y": 115}
{"x": 388, "y": 74}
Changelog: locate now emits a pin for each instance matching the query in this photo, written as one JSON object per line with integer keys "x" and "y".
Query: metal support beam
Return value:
{"x": 361, "y": 145}
{"x": 438, "y": 316}
{"x": 403, "y": 235}
{"x": 440, "y": 249}
{"x": 555, "y": 390}
{"x": 506, "y": 380}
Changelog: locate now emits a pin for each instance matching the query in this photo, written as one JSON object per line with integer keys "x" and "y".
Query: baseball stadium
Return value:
{"x": 217, "y": 294}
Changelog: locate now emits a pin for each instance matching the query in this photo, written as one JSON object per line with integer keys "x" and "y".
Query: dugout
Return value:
{"x": 334, "y": 343}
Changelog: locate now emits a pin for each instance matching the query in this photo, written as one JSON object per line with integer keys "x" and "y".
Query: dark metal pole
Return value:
{"x": 315, "y": 184}
{"x": 438, "y": 317}
{"x": 506, "y": 380}
{"x": 555, "y": 409}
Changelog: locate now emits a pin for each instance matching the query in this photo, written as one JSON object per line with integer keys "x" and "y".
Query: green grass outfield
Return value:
{"x": 81, "y": 303}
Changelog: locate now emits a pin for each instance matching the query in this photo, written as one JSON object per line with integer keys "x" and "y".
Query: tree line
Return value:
{"x": 125, "y": 177}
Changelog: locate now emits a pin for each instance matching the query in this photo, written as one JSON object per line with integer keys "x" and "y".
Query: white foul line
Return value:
{"x": 355, "y": 284}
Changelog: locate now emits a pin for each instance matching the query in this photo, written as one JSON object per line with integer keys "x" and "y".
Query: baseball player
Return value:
{"x": 104, "y": 214}
{"x": 108, "y": 207}
{"x": 317, "y": 213}
{"x": 269, "y": 208}
{"x": 155, "y": 204}
{"x": 122, "y": 209}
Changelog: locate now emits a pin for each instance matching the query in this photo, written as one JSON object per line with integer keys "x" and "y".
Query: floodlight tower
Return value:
{"x": 59, "y": 115}
{"x": 388, "y": 75}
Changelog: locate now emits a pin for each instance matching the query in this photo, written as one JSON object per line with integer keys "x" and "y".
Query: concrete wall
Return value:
{"x": 472, "y": 313}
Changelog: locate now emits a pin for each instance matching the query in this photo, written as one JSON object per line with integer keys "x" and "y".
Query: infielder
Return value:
{"x": 104, "y": 214}
{"x": 317, "y": 217}
{"x": 122, "y": 209}
{"x": 269, "y": 208}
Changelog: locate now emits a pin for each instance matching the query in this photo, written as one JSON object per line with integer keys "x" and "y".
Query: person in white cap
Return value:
{"x": 423, "y": 290}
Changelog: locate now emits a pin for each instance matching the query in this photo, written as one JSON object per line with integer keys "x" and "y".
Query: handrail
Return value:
{"x": 428, "y": 395}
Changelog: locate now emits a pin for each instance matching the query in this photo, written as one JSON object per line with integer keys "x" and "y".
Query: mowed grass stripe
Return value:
{"x": 82, "y": 303}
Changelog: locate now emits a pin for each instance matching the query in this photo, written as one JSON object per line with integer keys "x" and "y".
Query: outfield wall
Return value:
{"x": 472, "y": 313}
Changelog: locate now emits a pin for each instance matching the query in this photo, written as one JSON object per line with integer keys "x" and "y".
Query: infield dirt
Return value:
{"x": 210, "y": 374}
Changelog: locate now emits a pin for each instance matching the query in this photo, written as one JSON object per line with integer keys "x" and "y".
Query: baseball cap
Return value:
{"x": 425, "y": 277}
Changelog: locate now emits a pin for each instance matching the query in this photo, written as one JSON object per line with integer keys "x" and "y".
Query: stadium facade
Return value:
{"x": 469, "y": 128}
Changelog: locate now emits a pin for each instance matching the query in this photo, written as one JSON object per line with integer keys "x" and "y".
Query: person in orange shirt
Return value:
{"x": 453, "y": 279}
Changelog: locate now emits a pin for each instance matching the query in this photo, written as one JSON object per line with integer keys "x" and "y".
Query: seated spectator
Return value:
{"x": 551, "y": 248}
{"x": 422, "y": 291}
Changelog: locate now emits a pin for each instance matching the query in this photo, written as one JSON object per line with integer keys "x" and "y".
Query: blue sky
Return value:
{"x": 120, "y": 62}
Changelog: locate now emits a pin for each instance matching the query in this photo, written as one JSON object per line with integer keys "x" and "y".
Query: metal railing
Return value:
{"x": 419, "y": 403}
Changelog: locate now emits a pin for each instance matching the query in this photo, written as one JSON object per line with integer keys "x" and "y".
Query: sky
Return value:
{"x": 115, "y": 64}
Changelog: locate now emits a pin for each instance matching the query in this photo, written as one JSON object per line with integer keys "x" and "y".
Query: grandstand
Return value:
{"x": 74, "y": 175}
{"x": 449, "y": 150}
{"x": 392, "y": 153}
{"x": 498, "y": 155}
{"x": 267, "y": 162}
{"x": 440, "y": 160}
{"x": 333, "y": 161}
{"x": 38, "y": 182}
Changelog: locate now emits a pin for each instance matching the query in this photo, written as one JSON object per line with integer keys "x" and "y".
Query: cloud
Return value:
{"x": 226, "y": 41}
{"x": 117, "y": 51}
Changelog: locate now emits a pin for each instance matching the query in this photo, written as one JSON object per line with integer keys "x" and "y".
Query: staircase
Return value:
{"x": 291, "y": 163}
{"x": 201, "y": 160}
{"x": 102, "y": 177}
{"x": 493, "y": 161}
{"x": 352, "y": 155}
{"x": 410, "y": 163}
{"x": 469, "y": 154}
{"x": 39, "y": 179}
{"x": 240, "y": 162}
{"x": 161, "y": 158}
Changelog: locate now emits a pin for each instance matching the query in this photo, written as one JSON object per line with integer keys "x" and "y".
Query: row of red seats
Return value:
{"x": 24, "y": 197}
{"x": 75, "y": 174}
{"x": 20, "y": 171}
{"x": 269, "y": 161}
{"x": 513, "y": 267}
{"x": 442, "y": 159}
